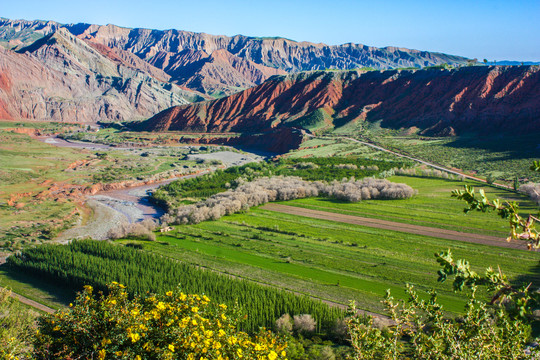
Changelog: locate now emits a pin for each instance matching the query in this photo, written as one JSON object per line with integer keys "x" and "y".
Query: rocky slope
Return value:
{"x": 440, "y": 102}
{"x": 220, "y": 64}
{"x": 60, "y": 77}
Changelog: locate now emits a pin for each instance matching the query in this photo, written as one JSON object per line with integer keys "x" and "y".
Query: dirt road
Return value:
{"x": 396, "y": 226}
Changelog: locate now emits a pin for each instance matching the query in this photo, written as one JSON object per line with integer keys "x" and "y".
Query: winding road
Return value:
{"x": 438, "y": 167}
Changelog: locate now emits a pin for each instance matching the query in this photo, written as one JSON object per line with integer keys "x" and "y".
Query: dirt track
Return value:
{"x": 396, "y": 226}
{"x": 32, "y": 303}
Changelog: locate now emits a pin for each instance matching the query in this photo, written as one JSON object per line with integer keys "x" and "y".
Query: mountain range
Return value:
{"x": 222, "y": 65}
{"x": 266, "y": 87}
{"x": 438, "y": 102}
{"x": 60, "y": 77}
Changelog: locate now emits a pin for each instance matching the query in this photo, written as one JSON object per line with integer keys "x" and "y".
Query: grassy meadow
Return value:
{"x": 432, "y": 206}
{"x": 329, "y": 260}
{"x": 501, "y": 157}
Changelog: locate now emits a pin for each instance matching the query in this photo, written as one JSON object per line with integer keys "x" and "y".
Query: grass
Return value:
{"x": 51, "y": 295}
{"x": 432, "y": 207}
{"x": 502, "y": 156}
{"x": 339, "y": 262}
{"x": 321, "y": 147}
{"x": 32, "y": 220}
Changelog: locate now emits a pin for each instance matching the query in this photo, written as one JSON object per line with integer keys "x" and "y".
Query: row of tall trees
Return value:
{"x": 100, "y": 263}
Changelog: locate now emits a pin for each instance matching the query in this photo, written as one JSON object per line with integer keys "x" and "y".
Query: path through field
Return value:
{"x": 32, "y": 303}
{"x": 395, "y": 226}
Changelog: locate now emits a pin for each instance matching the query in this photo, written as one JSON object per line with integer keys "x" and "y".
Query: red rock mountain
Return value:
{"x": 221, "y": 65}
{"x": 442, "y": 102}
{"x": 60, "y": 77}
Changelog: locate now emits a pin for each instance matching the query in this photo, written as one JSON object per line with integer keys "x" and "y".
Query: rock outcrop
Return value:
{"x": 438, "y": 102}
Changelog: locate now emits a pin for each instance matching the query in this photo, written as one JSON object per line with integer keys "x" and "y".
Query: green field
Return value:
{"x": 432, "y": 206}
{"x": 503, "y": 157}
{"x": 339, "y": 262}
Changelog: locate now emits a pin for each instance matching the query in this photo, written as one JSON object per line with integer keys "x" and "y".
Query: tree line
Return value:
{"x": 99, "y": 263}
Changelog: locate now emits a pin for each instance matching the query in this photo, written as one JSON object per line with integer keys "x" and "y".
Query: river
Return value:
{"x": 112, "y": 208}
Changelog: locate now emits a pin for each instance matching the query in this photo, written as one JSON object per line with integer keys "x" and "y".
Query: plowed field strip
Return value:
{"x": 395, "y": 226}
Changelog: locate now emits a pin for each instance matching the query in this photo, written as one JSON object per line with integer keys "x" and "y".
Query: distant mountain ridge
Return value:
{"x": 60, "y": 77}
{"x": 495, "y": 99}
{"x": 215, "y": 64}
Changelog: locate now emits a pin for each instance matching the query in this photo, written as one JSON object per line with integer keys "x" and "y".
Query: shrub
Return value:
{"x": 304, "y": 324}
{"x": 142, "y": 230}
{"x": 532, "y": 190}
{"x": 169, "y": 326}
{"x": 284, "y": 324}
{"x": 480, "y": 333}
{"x": 264, "y": 190}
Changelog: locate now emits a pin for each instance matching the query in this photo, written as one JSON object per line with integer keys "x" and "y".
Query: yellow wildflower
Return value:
{"x": 101, "y": 354}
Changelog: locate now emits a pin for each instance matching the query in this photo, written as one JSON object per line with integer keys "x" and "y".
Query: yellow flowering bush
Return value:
{"x": 169, "y": 326}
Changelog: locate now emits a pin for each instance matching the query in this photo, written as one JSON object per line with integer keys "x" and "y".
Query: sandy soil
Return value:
{"x": 391, "y": 225}
{"x": 105, "y": 218}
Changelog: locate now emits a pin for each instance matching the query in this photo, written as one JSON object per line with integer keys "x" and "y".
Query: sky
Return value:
{"x": 482, "y": 29}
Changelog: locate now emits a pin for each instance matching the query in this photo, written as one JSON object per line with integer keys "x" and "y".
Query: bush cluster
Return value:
{"x": 169, "y": 326}
{"x": 532, "y": 190}
{"x": 279, "y": 188}
{"x": 433, "y": 173}
{"x": 142, "y": 230}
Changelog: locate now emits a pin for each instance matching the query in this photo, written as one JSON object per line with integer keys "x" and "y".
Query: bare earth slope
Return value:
{"x": 444, "y": 102}
{"x": 62, "y": 78}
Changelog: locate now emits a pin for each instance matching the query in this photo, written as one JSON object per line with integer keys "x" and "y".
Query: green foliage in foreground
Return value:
{"x": 99, "y": 263}
{"x": 481, "y": 333}
{"x": 497, "y": 329}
